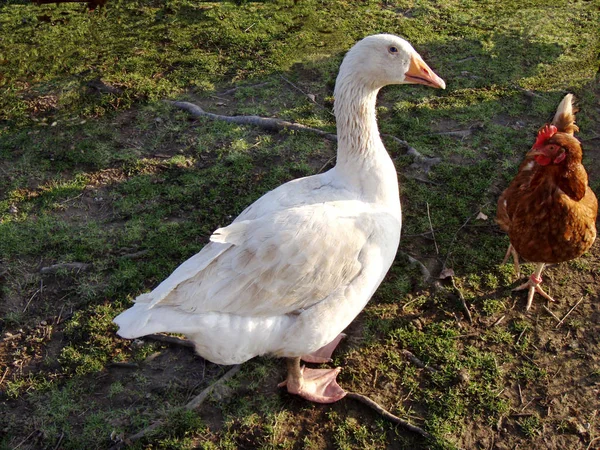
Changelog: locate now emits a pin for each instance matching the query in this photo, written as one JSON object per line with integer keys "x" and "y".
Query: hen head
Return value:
{"x": 556, "y": 143}
{"x": 553, "y": 147}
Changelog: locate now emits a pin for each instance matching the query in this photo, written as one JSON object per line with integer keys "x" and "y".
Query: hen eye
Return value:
{"x": 393, "y": 49}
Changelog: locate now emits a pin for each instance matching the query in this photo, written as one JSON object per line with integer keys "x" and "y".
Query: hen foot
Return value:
{"x": 315, "y": 385}
{"x": 534, "y": 286}
{"x": 511, "y": 251}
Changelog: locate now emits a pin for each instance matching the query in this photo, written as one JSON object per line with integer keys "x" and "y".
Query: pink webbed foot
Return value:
{"x": 323, "y": 355}
{"x": 533, "y": 284}
{"x": 315, "y": 385}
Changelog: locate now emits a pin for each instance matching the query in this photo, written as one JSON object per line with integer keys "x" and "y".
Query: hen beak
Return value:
{"x": 420, "y": 73}
{"x": 536, "y": 152}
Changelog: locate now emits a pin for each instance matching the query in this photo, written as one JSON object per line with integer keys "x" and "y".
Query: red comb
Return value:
{"x": 544, "y": 134}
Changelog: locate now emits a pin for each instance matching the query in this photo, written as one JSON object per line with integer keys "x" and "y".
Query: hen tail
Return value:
{"x": 564, "y": 119}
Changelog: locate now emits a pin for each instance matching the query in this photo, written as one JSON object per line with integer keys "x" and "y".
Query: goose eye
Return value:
{"x": 393, "y": 49}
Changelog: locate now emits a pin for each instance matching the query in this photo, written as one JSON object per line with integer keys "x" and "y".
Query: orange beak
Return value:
{"x": 420, "y": 73}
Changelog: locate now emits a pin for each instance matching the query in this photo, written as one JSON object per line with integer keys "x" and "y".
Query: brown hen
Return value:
{"x": 548, "y": 210}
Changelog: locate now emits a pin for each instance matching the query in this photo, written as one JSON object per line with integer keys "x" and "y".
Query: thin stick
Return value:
{"x": 273, "y": 124}
{"x": 306, "y": 94}
{"x": 266, "y": 123}
{"x": 171, "y": 340}
{"x": 458, "y": 231}
{"x": 551, "y": 313}
{"x": 31, "y": 298}
{"x": 200, "y": 398}
{"x": 437, "y": 250}
{"x": 392, "y": 418}
{"x": 235, "y": 89}
{"x": 497, "y": 322}
{"x": 60, "y": 439}
{"x": 567, "y": 315}
{"x": 326, "y": 164}
{"x": 528, "y": 403}
{"x": 591, "y": 442}
{"x": 4, "y": 376}
{"x": 520, "y": 393}
{"x": 191, "y": 405}
{"x": 411, "y": 151}
{"x": 520, "y": 336}
{"x": 70, "y": 267}
{"x": 424, "y": 270}
{"x": 462, "y": 300}
{"x": 417, "y": 362}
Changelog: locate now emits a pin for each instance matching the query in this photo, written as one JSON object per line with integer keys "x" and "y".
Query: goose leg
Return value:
{"x": 534, "y": 286}
{"x": 323, "y": 355}
{"x": 511, "y": 251}
{"x": 315, "y": 385}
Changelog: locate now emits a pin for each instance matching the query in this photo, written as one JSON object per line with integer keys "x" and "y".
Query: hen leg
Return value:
{"x": 511, "y": 251}
{"x": 534, "y": 286}
{"x": 315, "y": 385}
{"x": 323, "y": 355}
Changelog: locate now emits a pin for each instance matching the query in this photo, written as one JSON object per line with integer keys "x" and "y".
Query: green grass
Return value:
{"x": 96, "y": 169}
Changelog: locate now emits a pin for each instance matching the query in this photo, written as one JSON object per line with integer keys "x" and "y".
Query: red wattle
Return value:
{"x": 542, "y": 160}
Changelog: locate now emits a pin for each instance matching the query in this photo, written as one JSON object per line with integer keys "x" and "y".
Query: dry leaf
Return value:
{"x": 311, "y": 97}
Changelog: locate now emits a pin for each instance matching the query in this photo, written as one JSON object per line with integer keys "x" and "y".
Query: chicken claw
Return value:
{"x": 534, "y": 286}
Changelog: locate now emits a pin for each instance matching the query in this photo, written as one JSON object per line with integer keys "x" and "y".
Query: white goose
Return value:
{"x": 299, "y": 264}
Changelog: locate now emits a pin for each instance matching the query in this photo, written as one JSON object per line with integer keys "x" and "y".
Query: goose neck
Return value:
{"x": 357, "y": 131}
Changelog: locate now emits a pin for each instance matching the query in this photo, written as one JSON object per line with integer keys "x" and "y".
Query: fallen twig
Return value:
{"x": 272, "y": 124}
{"x": 392, "y": 418}
{"x": 462, "y": 299}
{"x": 200, "y": 398}
{"x": 235, "y": 89}
{"x": 267, "y": 123}
{"x": 311, "y": 97}
{"x": 124, "y": 365}
{"x": 591, "y": 442}
{"x": 423, "y": 162}
{"x": 422, "y": 180}
{"x": 497, "y": 322}
{"x": 30, "y": 299}
{"x": 424, "y": 270}
{"x": 326, "y": 164}
{"x": 191, "y": 405}
{"x": 171, "y": 340}
{"x": 520, "y": 394}
{"x": 551, "y": 313}
{"x": 134, "y": 255}
{"x": 4, "y": 376}
{"x": 437, "y": 250}
{"x": 417, "y": 362}
{"x": 457, "y": 232}
{"x": 567, "y": 314}
{"x": 69, "y": 267}
{"x": 456, "y": 133}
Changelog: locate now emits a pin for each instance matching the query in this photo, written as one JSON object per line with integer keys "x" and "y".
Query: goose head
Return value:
{"x": 383, "y": 59}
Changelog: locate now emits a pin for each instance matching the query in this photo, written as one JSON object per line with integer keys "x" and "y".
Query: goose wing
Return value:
{"x": 279, "y": 263}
